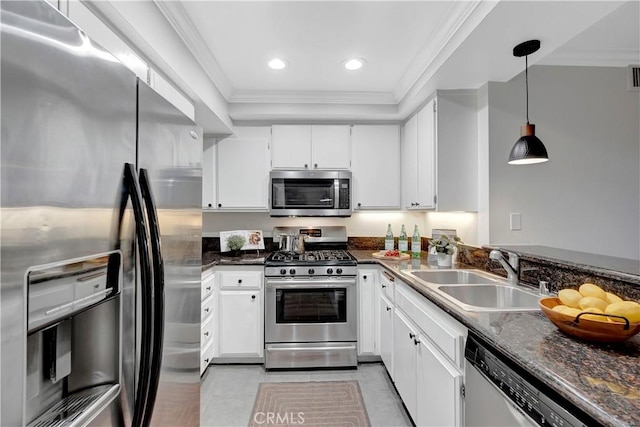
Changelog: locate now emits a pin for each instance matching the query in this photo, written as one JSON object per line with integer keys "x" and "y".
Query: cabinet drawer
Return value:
{"x": 206, "y": 356}
{"x": 207, "y": 286}
{"x": 241, "y": 279}
{"x": 387, "y": 285}
{"x": 442, "y": 330}
{"x": 207, "y": 308}
{"x": 207, "y": 332}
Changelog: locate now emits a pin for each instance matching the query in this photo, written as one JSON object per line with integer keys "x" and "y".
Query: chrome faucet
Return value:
{"x": 512, "y": 266}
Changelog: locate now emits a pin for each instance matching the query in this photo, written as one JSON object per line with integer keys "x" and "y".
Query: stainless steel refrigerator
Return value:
{"x": 100, "y": 198}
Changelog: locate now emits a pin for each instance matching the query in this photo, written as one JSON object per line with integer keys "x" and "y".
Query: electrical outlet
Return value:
{"x": 515, "y": 221}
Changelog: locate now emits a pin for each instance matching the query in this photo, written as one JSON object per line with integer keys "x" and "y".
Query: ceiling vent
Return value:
{"x": 633, "y": 79}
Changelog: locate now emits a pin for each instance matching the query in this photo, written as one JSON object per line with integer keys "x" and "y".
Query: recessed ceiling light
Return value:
{"x": 277, "y": 64}
{"x": 353, "y": 63}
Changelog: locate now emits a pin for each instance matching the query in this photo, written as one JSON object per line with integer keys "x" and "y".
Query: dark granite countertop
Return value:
{"x": 603, "y": 380}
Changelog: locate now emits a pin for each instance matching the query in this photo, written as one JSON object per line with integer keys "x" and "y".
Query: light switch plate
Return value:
{"x": 515, "y": 221}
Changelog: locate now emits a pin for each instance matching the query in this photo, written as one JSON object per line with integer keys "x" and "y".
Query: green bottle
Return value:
{"x": 416, "y": 243}
{"x": 388, "y": 239}
{"x": 403, "y": 242}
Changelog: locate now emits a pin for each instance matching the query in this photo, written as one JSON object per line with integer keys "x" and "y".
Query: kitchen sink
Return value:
{"x": 493, "y": 297}
{"x": 446, "y": 277}
{"x": 475, "y": 290}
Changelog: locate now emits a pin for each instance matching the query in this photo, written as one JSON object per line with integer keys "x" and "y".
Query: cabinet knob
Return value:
{"x": 208, "y": 288}
{"x": 364, "y": 277}
{"x": 413, "y": 204}
{"x": 416, "y": 342}
{"x": 412, "y": 335}
{"x": 388, "y": 308}
{"x": 315, "y": 166}
{"x": 219, "y": 205}
{"x": 359, "y": 204}
{"x": 253, "y": 297}
{"x": 210, "y": 205}
{"x": 384, "y": 286}
{"x": 206, "y": 360}
{"x": 206, "y": 334}
{"x": 417, "y": 204}
{"x": 206, "y": 310}
{"x": 239, "y": 281}
{"x": 306, "y": 166}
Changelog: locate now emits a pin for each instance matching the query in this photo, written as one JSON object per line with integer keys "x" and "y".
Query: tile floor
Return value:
{"x": 228, "y": 392}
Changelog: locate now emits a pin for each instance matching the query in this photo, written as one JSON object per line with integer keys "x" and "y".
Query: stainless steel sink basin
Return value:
{"x": 494, "y": 297}
{"x": 446, "y": 277}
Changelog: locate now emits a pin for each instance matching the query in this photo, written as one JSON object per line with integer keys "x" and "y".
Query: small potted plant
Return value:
{"x": 235, "y": 243}
{"x": 445, "y": 246}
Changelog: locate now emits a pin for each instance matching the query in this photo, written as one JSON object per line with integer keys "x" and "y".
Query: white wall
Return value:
{"x": 360, "y": 224}
{"x": 587, "y": 197}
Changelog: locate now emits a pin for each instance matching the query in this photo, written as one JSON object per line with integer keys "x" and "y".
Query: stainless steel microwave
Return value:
{"x": 310, "y": 193}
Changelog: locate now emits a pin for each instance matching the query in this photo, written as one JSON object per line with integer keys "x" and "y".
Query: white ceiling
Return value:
{"x": 412, "y": 48}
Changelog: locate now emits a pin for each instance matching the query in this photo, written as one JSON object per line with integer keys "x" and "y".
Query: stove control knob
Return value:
{"x": 283, "y": 271}
{"x": 292, "y": 271}
{"x": 311, "y": 271}
{"x": 339, "y": 271}
{"x": 329, "y": 270}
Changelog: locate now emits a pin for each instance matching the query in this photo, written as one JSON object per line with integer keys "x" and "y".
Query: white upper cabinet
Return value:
{"x": 418, "y": 168}
{"x": 311, "y": 147}
{"x": 375, "y": 166}
{"x": 242, "y": 171}
{"x": 440, "y": 154}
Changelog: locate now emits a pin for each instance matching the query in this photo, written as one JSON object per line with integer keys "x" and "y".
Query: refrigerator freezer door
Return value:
{"x": 170, "y": 150}
{"x": 68, "y": 128}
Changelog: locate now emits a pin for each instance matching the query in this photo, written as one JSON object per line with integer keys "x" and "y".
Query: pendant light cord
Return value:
{"x": 526, "y": 79}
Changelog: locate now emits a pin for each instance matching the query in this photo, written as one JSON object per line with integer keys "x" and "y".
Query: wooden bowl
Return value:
{"x": 586, "y": 329}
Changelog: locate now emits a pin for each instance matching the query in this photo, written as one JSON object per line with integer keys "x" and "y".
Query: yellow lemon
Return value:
{"x": 628, "y": 309}
{"x": 591, "y": 290}
{"x": 613, "y": 298}
{"x": 587, "y": 302}
{"x": 570, "y": 297}
{"x": 570, "y": 311}
{"x": 560, "y": 308}
{"x": 593, "y": 317}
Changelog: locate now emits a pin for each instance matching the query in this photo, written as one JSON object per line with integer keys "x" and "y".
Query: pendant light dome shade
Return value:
{"x": 528, "y": 149}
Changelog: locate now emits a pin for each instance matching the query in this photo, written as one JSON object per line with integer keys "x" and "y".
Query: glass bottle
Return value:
{"x": 403, "y": 243}
{"x": 416, "y": 244}
{"x": 388, "y": 239}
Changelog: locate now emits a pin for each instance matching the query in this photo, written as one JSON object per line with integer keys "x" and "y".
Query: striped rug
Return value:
{"x": 322, "y": 403}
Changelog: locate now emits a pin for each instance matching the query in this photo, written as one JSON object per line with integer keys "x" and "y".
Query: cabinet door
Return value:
{"x": 438, "y": 389}
{"x": 243, "y": 173}
{"x": 291, "y": 147}
{"x": 330, "y": 147}
{"x": 368, "y": 292}
{"x": 426, "y": 156}
{"x": 405, "y": 336}
{"x": 209, "y": 184}
{"x": 410, "y": 163}
{"x": 386, "y": 313}
{"x": 241, "y": 324}
{"x": 375, "y": 166}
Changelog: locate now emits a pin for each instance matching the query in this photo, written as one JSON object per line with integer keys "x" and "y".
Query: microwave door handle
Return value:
{"x": 158, "y": 295}
{"x": 336, "y": 193}
{"x": 133, "y": 191}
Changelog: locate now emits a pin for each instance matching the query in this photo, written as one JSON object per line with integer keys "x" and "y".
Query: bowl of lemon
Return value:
{"x": 592, "y": 314}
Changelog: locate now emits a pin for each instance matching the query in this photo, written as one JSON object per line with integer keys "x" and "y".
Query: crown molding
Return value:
{"x": 312, "y": 97}
{"x": 184, "y": 27}
{"x": 593, "y": 58}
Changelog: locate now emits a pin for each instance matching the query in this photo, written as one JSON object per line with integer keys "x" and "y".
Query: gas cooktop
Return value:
{"x": 319, "y": 257}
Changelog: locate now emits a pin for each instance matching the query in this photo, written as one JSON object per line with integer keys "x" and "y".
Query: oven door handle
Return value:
{"x": 296, "y": 283}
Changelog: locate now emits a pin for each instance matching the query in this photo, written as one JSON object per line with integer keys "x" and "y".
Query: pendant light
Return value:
{"x": 528, "y": 149}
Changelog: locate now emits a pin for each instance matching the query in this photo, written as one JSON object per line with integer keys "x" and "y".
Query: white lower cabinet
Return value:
{"x": 207, "y": 318}
{"x": 368, "y": 322}
{"x": 422, "y": 348}
{"x": 240, "y": 313}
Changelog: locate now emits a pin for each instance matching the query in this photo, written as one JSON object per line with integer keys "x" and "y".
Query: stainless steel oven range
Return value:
{"x": 311, "y": 302}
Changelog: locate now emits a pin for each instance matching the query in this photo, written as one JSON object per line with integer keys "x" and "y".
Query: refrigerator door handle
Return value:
{"x": 142, "y": 387}
{"x": 158, "y": 295}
